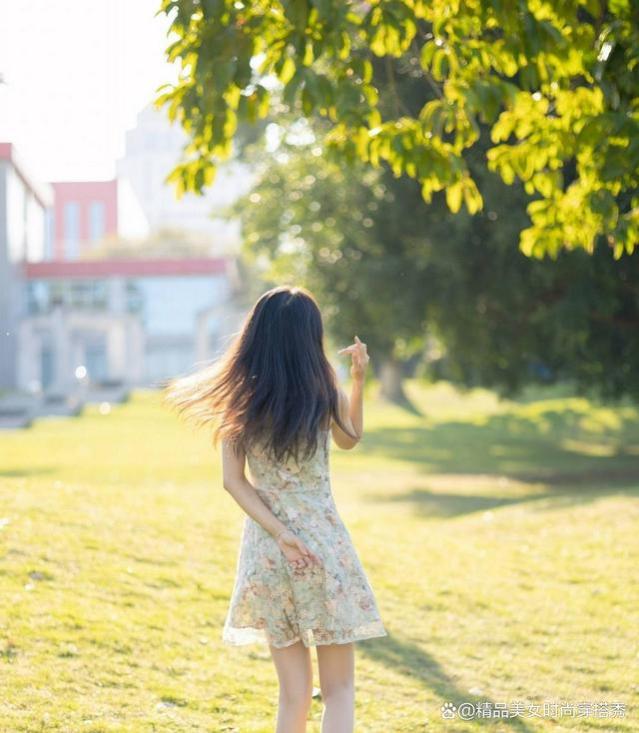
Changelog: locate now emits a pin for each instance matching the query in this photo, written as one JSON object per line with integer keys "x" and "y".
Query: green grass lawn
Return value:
{"x": 501, "y": 539}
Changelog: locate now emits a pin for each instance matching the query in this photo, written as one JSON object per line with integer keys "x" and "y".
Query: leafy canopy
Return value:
{"x": 556, "y": 82}
{"x": 417, "y": 279}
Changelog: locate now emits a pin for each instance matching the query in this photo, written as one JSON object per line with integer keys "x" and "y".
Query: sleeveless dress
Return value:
{"x": 275, "y": 603}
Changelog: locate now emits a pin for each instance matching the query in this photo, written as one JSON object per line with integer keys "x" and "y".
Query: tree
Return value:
{"x": 352, "y": 236}
{"x": 399, "y": 273}
{"x": 507, "y": 320}
{"x": 556, "y": 82}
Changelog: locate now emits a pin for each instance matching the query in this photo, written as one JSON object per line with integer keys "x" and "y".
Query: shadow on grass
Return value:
{"x": 562, "y": 455}
{"x": 25, "y": 472}
{"x": 553, "y": 447}
{"x": 411, "y": 661}
{"x": 405, "y": 403}
{"x": 445, "y": 504}
{"x": 440, "y": 505}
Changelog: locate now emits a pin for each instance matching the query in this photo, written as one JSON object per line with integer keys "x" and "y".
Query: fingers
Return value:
{"x": 300, "y": 562}
{"x": 358, "y": 346}
{"x": 302, "y": 547}
{"x": 306, "y": 557}
{"x": 305, "y": 563}
{"x": 311, "y": 556}
{"x": 299, "y": 555}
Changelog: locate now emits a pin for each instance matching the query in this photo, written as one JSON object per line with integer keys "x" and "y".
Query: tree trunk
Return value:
{"x": 391, "y": 381}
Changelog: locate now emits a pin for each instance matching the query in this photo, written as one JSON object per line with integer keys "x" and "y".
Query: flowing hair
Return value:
{"x": 273, "y": 385}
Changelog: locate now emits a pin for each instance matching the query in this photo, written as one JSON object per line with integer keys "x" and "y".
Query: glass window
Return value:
{"x": 56, "y": 293}
{"x": 172, "y": 303}
{"x": 80, "y": 294}
{"x": 42, "y": 295}
{"x": 134, "y": 297}
{"x": 72, "y": 230}
{"x": 90, "y": 294}
{"x": 38, "y": 297}
{"x": 49, "y": 234}
{"x": 100, "y": 295}
{"x": 97, "y": 221}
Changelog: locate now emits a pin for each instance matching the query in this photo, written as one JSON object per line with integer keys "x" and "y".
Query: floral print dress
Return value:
{"x": 275, "y": 603}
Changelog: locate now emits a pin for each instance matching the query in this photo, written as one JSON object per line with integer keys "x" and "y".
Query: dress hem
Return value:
{"x": 257, "y": 636}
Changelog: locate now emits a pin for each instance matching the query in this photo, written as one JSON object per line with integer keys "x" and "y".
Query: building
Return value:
{"x": 124, "y": 322}
{"x": 152, "y": 150}
{"x": 23, "y": 236}
{"x": 84, "y": 213}
{"x": 69, "y": 321}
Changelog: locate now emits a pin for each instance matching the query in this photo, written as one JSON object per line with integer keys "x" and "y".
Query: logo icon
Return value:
{"x": 448, "y": 711}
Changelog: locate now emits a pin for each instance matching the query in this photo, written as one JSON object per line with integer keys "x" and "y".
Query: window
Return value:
{"x": 134, "y": 297}
{"x": 38, "y": 296}
{"x": 72, "y": 230}
{"x": 91, "y": 294}
{"x": 97, "y": 221}
{"x": 49, "y": 236}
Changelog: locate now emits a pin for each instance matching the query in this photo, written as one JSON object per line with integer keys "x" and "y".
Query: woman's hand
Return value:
{"x": 295, "y": 551}
{"x": 360, "y": 358}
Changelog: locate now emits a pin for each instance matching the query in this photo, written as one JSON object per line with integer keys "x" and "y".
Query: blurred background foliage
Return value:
{"x": 403, "y": 149}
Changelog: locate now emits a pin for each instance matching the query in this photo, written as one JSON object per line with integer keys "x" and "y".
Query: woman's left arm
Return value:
{"x": 244, "y": 493}
{"x": 242, "y": 490}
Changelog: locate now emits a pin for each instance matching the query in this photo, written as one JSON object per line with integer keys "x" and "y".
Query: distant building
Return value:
{"x": 134, "y": 322}
{"x": 84, "y": 213}
{"x": 66, "y": 319}
{"x": 23, "y": 235}
{"x": 153, "y": 148}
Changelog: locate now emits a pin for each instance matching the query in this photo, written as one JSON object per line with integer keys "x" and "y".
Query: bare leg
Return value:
{"x": 295, "y": 675}
{"x": 336, "y": 663}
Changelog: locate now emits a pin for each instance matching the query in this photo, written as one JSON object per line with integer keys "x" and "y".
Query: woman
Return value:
{"x": 299, "y": 581}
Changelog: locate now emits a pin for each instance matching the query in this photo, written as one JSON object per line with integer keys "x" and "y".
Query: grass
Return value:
{"x": 501, "y": 539}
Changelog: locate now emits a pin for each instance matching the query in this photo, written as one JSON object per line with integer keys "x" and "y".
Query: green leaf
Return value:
{"x": 454, "y": 194}
{"x": 287, "y": 70}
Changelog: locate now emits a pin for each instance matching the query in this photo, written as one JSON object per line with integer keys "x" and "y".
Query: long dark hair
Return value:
{"x": 274, "y": 384}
